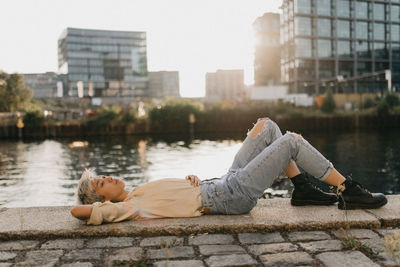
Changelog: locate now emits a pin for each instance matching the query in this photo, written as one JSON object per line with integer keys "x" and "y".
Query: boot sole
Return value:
{"x": 353, "y": 206}
{"x": 311, "y": 202}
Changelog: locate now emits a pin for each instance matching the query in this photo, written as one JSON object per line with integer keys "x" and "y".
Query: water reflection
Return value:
{"x": 40, "y": 173}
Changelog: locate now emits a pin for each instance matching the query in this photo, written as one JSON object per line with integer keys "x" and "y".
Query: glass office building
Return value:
{"x": 103, "y": 63}
{"x": 336, "y": 43}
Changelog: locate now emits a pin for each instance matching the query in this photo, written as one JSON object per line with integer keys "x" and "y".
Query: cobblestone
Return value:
{"x": 339, "y": 259}
{"x": 110, "y": 242}
{"x": 214, "y": 239}
{"x": 191, "y": 263}
{"x": 356, "y": 233}
{"x": 7, "y": 256}
{"x": 377, "y": 244}
{"x": 125, "y": 254}
{"x": 209, "y": 250}
{"x": 388, "y": 232}
{"x": 286, "y": 259}
{"x": 242, "y": 249}
{"x": 170, "y": 253}
{"x": 272, "y": 248}
{"x": 230, "y": 260}
{"x": 323, "y": 245}
{"x": 161, "y": 241}
{"x": 308, "y": 236}
{"x": 387, "y": 261}
{"x": 41, "y": 257}
{"x": 63, "y": 244}
{"x": 78, "y": 264}
{"x": 83, "y": 254}
{"x": 18, "y": 245}
{"x": 255, "y": 238}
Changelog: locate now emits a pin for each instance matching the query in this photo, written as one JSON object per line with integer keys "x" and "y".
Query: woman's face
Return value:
{"x": 108, "y": 187}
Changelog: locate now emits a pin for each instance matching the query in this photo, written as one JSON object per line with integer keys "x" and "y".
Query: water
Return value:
{"x": 46, "y": 172}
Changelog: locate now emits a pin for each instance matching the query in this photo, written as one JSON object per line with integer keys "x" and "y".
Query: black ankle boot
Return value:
{"x": 305, "y": 193}
{"x": 356, "y": 196}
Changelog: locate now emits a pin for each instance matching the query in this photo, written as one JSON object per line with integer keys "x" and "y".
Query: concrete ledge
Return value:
{"x": 268, "y": 216}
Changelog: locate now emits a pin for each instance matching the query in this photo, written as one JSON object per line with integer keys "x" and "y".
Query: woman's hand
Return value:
{"x": 194, "y": 180}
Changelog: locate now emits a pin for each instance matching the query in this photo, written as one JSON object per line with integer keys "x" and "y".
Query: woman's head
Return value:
{"x": 86, "y": 192}
{"x": 93, "y": 188}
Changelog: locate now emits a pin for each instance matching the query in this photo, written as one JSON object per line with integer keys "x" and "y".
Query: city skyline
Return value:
{"x": 191, "y": 37}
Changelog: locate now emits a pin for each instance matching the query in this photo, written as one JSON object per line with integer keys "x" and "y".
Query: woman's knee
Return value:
{"x": 259, "y": 125}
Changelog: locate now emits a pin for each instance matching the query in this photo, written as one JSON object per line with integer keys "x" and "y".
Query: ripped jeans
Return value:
{"x": 256, "y": 165}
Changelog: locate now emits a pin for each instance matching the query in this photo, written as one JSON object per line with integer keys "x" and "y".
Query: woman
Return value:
{"x": 264, "y": 154}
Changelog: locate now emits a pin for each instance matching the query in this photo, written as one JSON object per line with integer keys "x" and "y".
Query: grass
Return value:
{"x": 392, "y": 247}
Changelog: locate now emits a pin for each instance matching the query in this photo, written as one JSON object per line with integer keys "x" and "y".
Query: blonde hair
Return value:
{"x": 86, "y": 193}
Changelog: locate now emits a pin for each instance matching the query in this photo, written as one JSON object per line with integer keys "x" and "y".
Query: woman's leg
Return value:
{"x": 261, "y": 171}
{"x": 264, "y": 133}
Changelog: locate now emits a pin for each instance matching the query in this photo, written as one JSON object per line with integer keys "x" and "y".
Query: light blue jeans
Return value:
{"x": 257, "y": 164}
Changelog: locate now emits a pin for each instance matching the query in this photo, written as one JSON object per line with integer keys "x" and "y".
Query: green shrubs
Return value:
{"x": 33, "y": 118}
{"x": 174, "y": 112}
{"x": 112, "y": 115}
{"x": 382, "y": 108}
{"x": 329, "y": 105}
{"x": 387, "y": 104}
{"x": 392, "y": 100}
{"x": 368, "y": 103}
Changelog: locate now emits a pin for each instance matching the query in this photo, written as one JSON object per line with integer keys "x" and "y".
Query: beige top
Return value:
{"x": 158, "y": 199}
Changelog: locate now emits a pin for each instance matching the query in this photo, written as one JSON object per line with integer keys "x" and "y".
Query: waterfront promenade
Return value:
{"x": 272, "y": 234}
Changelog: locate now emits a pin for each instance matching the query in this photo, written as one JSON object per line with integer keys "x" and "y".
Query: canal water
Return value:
{"x": 46, "y": 172}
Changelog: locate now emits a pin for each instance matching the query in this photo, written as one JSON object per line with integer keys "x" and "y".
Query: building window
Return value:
{"x": 396, "y": 51}
{"x": 326, "y": 69}
{"x": 305, "y": 69}
{"x": 343, "y": 8}
{"x": 303, "y": 26}
{"x": 324, "y": 48}
{"x": 343, "y": 29}
{"x": 344, "y": 49}
{"x": 303, "y": 47}
{"x": 381, "y": 51}
{"x": 346, "y": 68}
{"x": 362, "y": 30}
{"x": 361, "y": 10}
{"x": 324, "y": 7}
{"x": 302, "y": 6}
{"x": 324, "y": 27}
{"x": 363, "y": 49}
{"x": 379, "y": 11}
{"x": 363, "y": 67}
{"x": 395, "y": 32}
{"x": 379, "y": 31}
{"x": 395, "y": 13}
{"x": 381, "y": 66}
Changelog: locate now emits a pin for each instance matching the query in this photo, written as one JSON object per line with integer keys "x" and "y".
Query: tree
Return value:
{"x": 14, "y": 95}
{"x": 329, "y": 105}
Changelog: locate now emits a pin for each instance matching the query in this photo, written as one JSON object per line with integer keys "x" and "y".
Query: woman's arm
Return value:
{"x": 82, "y": 211}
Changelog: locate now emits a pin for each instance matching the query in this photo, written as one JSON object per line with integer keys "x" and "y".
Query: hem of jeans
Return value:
{"x": 326, "y": 173}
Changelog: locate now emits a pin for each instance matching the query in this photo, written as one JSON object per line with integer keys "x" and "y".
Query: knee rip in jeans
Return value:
{"x": 258, "y": 126}
{"x": 296, "y": 134}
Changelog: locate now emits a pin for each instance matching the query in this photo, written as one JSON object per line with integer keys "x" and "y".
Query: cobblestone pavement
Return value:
{"x": 311, "y": 248}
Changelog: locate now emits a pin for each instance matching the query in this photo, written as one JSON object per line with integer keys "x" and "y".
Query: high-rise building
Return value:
{"x": 267, "y": 53}
{"x": 225, "y": 84}
{"x": 103, "y": 63}
{"x": 163, "y": 84}
{"x": 340, "y": 44}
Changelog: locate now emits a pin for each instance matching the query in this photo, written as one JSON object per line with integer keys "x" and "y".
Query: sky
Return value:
{"x": 192, "y": 37}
